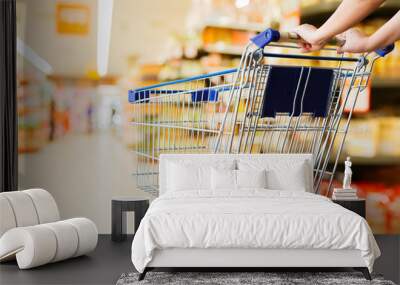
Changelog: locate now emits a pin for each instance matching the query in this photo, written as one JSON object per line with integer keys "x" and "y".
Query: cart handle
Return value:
{"x": 385, "y": 50}
{"x": 271, "y": 35}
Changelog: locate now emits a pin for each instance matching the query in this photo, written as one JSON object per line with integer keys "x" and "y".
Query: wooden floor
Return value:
{"x": 111, "y": 259}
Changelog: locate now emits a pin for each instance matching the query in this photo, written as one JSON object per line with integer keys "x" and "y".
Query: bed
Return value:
{"x": 269, "y": 217}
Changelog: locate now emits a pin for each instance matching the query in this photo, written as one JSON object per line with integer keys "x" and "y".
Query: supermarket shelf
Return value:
{"x": 372, "y": 161}
{"x": 316, "y": 14}
{"x": 378, "y": 82}
{"x": 95, "y": 80}
{"x": 235, "y": 26}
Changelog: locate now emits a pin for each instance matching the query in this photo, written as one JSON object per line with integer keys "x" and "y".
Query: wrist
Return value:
{"x": 320, "y": 37}
{"x": 369, "y": 45}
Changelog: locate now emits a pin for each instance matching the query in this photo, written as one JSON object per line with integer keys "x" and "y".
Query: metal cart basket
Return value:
{"x": 277, "y": 101}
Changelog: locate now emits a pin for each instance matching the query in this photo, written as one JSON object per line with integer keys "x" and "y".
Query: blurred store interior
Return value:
{"x": 77, "y": 59}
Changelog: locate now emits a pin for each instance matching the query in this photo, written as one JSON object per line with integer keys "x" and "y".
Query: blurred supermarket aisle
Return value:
{"x": 83, "y": 172}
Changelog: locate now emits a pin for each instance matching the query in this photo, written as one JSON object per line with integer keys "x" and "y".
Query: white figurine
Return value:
{"x": 347, "y": 174}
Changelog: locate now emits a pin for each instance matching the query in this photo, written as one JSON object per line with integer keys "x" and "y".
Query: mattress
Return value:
{"x": 250, "y": 219}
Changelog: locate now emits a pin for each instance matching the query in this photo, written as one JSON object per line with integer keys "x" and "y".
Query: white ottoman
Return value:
{"x": 32, "y": 233}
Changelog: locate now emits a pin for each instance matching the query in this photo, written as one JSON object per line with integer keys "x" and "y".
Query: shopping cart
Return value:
{"x": 277, "y": 101}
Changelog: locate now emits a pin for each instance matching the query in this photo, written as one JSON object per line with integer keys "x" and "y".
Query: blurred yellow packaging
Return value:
{"x": 389, "y": 136}
{"x": 373, "y": 137}
{"x": 363, "y": 138}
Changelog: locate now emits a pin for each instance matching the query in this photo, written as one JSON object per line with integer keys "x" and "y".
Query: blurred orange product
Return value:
{"x": 240, "y": 38}
{"x": 223, "y": 36}
{"x": 208, "y": 36}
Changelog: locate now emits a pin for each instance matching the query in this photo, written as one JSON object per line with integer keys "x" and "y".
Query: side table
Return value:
{"x": 357, "y": 206}
{"x": 119, "y": 207}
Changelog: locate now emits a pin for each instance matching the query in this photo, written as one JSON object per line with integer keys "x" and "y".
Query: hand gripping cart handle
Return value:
{"x": 270, "y": 35}
{"x": 277, "y": 100}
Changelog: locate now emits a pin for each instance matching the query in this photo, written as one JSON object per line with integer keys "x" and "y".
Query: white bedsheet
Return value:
{"x": 252, "y": 218}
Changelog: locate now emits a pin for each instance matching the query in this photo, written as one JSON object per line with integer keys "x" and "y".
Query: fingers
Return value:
{"x": 354, "y": 42}
{"x": 307, "y": 42}
{"x": 302, "y": 42}
{"x": 305, "y": 28}
{"x": 340, "y": 48}
{"x": 341, "y": 40}
{"x": 305, "y": 32}
{"x": 303, "y": 46}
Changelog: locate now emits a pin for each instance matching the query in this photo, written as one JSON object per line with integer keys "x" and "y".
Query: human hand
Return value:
{"x": 355, "y": 41}
{"x": 308, "y": 38}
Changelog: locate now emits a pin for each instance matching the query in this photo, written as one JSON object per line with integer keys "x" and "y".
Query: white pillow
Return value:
{"x": 181, "y": 177}
{"x": 223, "y": 179}
{"x": 251, "y": 178}
{"x": 292, "y": 179}
{"x": 186, "y": 175}
{"x": 237, "y": 179}
{"x": 283, "y": 174}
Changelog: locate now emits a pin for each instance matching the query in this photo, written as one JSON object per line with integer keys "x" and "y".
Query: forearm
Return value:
{"x": 386, "y": 35}
{"x": 348, "y": 14}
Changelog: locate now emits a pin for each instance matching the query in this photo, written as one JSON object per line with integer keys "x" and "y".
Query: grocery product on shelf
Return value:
{"x": 373, "y": 138}
{"x": 363, "y": 138}
{"x": 225, "y": 40}
{"x": 389, "y": 137}
{"x": 33, "y": 102}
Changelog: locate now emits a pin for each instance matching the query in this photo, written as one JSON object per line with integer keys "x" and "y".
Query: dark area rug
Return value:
{"x": 244, "y": 278}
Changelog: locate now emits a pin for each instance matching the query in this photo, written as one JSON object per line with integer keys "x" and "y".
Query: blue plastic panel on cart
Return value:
{"x": 283, "y": 82}
{"x": 142, "y": 96}
{"x": 205, "y": 95}
{"x": 202, "y": 95}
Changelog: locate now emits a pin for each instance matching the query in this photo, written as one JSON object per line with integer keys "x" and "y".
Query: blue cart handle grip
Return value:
{"x": 264, "y": 38}
{"x": 384, "y": 51}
